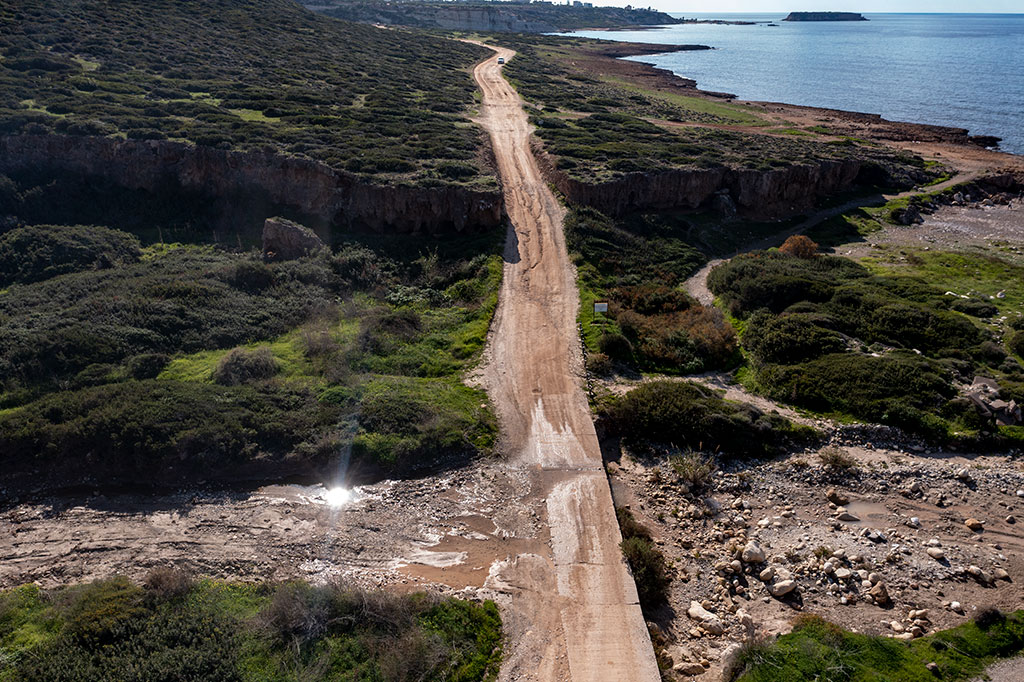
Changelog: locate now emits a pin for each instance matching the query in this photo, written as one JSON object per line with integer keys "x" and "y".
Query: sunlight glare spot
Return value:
{"x": 336, "y": 497}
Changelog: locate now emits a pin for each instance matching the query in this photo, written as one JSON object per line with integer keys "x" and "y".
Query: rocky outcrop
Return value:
{"x": 763, "y": 194}
{"x": 287, "y": 240}
{"x": 321, "y": 196}
{"x": 825, "y": 16}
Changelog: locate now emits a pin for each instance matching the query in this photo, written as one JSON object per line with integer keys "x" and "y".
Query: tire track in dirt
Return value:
{"x": 584, "y": 619}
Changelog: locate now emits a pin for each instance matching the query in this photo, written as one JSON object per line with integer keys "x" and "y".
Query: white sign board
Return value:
{"x": 600, "y": 308}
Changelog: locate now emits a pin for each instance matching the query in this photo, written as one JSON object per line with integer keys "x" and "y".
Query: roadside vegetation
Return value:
{"x": 207, "y": 363}
{"x": 176, "y": 628}
{"x": 679, "y": 416}
{"x": 638, "y": 265}
{"x": 650, "y": 570}
{"x": 264, "y": 75}
{"x": 817, "y": 649}
{"x": 832, "y": 335}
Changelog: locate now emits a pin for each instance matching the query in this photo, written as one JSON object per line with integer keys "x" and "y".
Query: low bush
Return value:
{"x": 897, "y": 388}
{"x": 800, "y": 246}
{"x": 38, "y": 252}
{"x": 219, "y": 632}
{"x": 166, "y": 582}
{"x": 243, "y": 366}
{"x": 1015, "y": 342}
{"x": 819, "y": 650}
{"x": 688, "y": 415}
{"x": 694, "y": 468}
{"x": 646, "y": 562}
{"x": 836, "y": 459}
{"x": 155, "y": 430}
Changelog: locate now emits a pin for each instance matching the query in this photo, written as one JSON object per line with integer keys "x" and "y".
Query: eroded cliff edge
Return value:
{"x": 253, "y": 186}
{"x": 775, "y": 193}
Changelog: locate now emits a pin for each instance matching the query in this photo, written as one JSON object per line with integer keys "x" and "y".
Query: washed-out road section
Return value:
{"x": 588, "y": 614}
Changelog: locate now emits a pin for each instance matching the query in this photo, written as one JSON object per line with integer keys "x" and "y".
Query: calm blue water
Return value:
{"x": 963, "y": 70}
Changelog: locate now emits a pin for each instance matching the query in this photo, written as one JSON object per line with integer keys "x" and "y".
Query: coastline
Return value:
{"x": 973, "y": 152}
{"x": 760, "y": 66}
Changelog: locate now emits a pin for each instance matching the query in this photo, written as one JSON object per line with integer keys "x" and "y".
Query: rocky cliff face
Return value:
{"x": 760, "y": 194}
{"x": 325, "y": 198}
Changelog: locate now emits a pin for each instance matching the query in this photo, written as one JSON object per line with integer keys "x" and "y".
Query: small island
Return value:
{"x": 825, "y": 16}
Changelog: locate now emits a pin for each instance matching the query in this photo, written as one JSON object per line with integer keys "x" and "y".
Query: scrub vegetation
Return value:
{"x": 650, "y": 570}
{"x": 174, "y": 628}
{"x": 685, "y": 416}
{"x": 638, "y": 265}
{"x": 209, "y": 363}
{"x": 600, "y": 127}
{"x": 255, "y": 75}
{"x": 817, "y": 649}
{"x": 876, "y": 343}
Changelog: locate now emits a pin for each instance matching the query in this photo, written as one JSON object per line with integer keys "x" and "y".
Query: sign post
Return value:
{"x": 599, "y": 307}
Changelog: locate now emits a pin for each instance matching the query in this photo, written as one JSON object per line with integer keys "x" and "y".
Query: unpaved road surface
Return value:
{"x": 582, "y": 598}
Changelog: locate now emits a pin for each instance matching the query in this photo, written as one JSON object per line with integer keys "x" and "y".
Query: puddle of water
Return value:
{"x": 335, "y": 497}
{"x": 871, "y": 514}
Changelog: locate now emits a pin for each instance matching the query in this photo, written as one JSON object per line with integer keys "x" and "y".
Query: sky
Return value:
{"x": 786, "y": 6}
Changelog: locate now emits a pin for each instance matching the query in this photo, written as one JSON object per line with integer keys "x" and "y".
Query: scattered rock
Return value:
{"x": 936, "y": 553}
{"x": 846, "y": 516}
{"x": 837, "y": 498}
{"x": 880, "y": 594}
{"x": 932, "y": 667}
{"x": 974, "y": 524}
{"x": 782, "y": 588}
{"x": 753, "y": 553}
{"x": 707, "y": 620}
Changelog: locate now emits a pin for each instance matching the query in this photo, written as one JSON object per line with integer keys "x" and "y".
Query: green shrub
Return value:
{"x": 31, "y": 254}
{"x": 243, "y": 366}
{"x": 645, "y": 560}
{"x": 615, "y": 346}
{"x": 861, "y": 385}
{"x": 649, "y": 570}
{"x": 689, "y": 415}
{"x": 788, "y": 339}
{"x": 1015, "y": 342}
{"x": 348, "y": 95}
{"x": 155, "y": 431}
{"x": 819, "y": 650}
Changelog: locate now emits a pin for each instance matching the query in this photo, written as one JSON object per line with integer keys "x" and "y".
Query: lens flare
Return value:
{"x": 337, "y": 497}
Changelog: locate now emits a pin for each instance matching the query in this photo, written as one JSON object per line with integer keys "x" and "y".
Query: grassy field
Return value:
{"x": 391, "y": 106}
{"x": 174, "y": 628}
{"x": 817, "y": 650}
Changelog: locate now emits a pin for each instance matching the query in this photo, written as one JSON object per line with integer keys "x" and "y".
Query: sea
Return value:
{"x": 961, "y": 70}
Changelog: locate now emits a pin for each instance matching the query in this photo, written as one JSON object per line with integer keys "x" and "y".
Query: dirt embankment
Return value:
{"x": 325, "y": 197}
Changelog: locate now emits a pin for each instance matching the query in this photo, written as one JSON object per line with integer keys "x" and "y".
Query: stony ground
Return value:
{"x": 902, "y": 542}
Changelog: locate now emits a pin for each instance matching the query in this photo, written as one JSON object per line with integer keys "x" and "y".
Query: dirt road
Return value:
{"x": 588, "y": 615}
